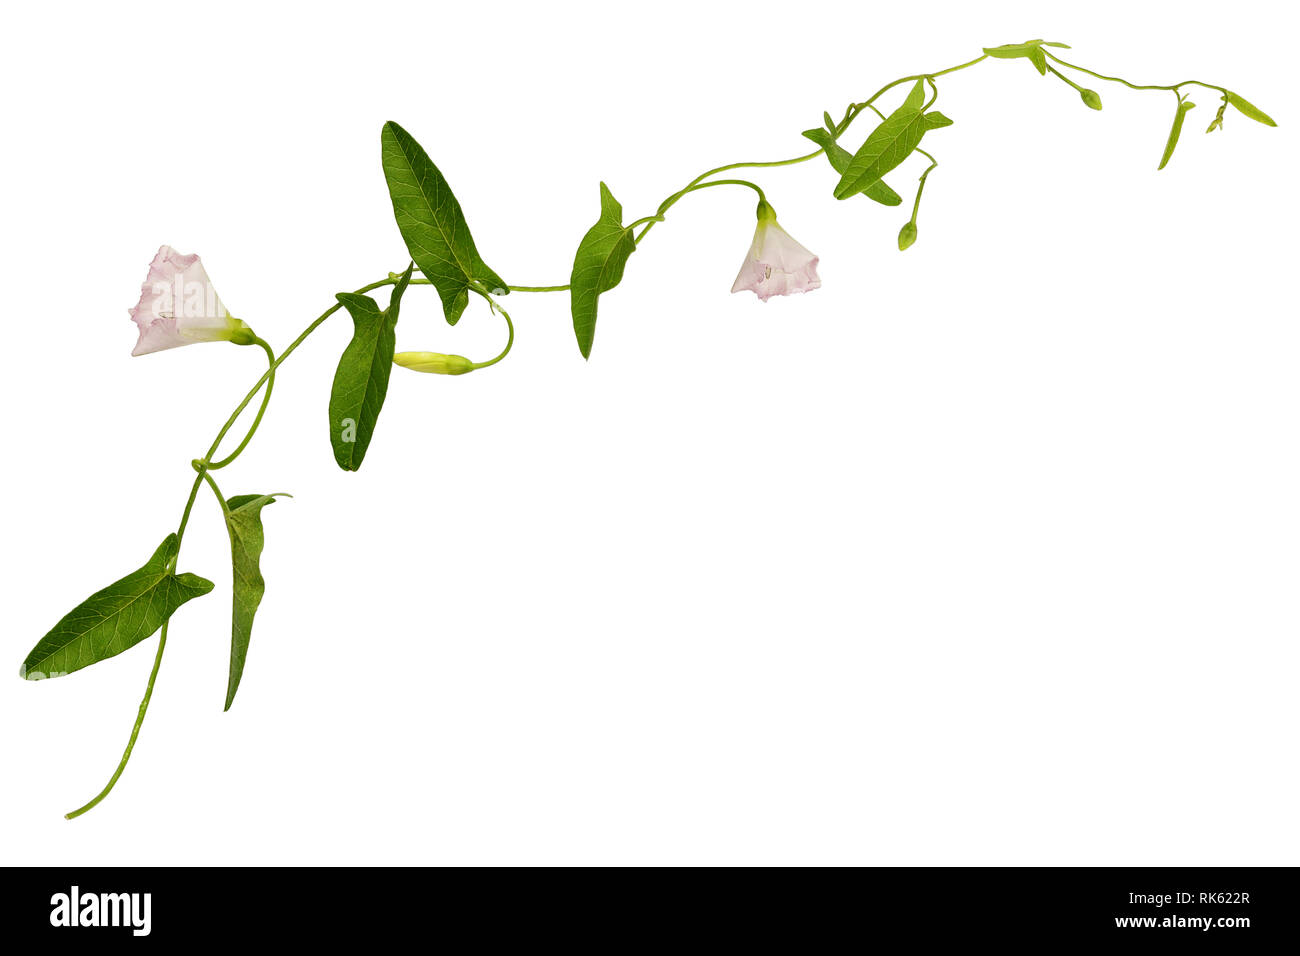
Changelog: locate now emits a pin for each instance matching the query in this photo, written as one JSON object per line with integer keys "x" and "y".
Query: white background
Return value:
{"x": 985, "y": 552}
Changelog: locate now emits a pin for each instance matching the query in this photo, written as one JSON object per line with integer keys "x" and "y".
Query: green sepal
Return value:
{"x": 433, "y": 225}
{"x": 906, "y": 235}
{"x": 598, "y": 267}
{"x": 115, "y": 618}
{"x": 361, "y": 379}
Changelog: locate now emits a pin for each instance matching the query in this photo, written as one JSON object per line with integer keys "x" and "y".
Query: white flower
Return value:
{"x": 178, "y": 306}
{"x": 776, "y": 263}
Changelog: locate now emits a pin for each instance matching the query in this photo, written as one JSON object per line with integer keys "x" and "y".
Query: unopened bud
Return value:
{"x": 434, "y": 362}
{"x": 906, "y": 236}
{"x": 1090, "y": 99}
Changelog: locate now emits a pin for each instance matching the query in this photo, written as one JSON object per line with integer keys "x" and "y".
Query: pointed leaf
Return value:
{"x": 244, "y": 522}
{"x": 433, "y": 225}
{"x": 840, "y": 158}
{"x": 361, "y": 379}
{"x": 1032, "y": 50}
{"x": 116, "y": 618}
{"x": 916, "y": 96}
{"x": 1251, "y": 110}
{"x": 1176, "y": 131}
{"x": 598, "y": 267}
{"x": 888, "y": 145}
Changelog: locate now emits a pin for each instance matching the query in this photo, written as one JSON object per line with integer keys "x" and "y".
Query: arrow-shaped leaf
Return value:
{"x": 598, "y": 267}
{"x": 1032, "y": 50}
{"x": 116, "y": 618}
{"x": 1176, "y": 131}
{"x": 433, "y": 225}
{"x": 840, "y": 158}
{"x": 361, "y": 379}
{"x": 244, "y": 522}
{"x": 889, "y": 144}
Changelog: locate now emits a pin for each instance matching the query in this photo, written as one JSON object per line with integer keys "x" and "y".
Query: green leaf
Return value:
{"x": 1251, "y": 110}
{"x": 1032, "y": 50}
{"x": 1177, "y": 130}
{"x": 433, "y": 225}
{"x": 598, "y": 267}
{"x": 915, "y": 96}
{"x": 888, "y": 145}
{"x": 840, "y": 158}
{"x": 361, "y": 379}
{"x": 120, "y": 616}
{"x": 244, "y": 522}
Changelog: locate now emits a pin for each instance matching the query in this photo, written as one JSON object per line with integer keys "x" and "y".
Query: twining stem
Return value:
{"x": 153, "y": 674}
{"x": 202, "y": 465}
{"x": 696, "y": 185}
{"x": 1132, "y": 86}
{"x": 703, "y": 181}
{"x": 266, "y": 400}
{"x": 510, "y": 330}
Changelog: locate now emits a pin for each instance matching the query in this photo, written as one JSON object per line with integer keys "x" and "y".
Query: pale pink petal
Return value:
{"x": 776, "y": 264}
{"x": 179, "y": 306}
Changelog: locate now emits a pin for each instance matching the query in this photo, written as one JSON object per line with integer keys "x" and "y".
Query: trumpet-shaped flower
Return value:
{"x": 776, "y": 264}
{"x": 178, "y": 306}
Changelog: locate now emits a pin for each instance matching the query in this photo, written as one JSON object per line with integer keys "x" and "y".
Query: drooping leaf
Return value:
{"x": 244, "y": 522}
{"x": 1031, "y": 50}
{"x": 840, "y": 158}
{"x": 116, "y": 618}
{"x": 433, "y": 225}
{"x": 598, "y": 267}
{"x": 888, "y": 145}
{"x": 1249, "y": 109}
{"x": 361, "y": 379}
{"x": 1175, "y": 131}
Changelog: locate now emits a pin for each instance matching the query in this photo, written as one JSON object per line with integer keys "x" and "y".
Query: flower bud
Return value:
{"x": 906, "y": 235}
{"x": 1090, "y": 99}
{"x": 435, "y": 362}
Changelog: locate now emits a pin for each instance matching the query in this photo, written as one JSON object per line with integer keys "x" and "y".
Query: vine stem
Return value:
{"x": 202, "y": 466}
{"x": 703, "y": 181}
{"x": 266, "y": 400}
{"x": 1132, "y": 86}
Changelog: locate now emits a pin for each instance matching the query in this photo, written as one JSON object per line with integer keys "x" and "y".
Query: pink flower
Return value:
{"x": 776, "y": 264}
{"x": 178, "y": 306}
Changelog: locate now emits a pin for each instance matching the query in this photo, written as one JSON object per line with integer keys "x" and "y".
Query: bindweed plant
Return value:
{"x": 179, "y": 306}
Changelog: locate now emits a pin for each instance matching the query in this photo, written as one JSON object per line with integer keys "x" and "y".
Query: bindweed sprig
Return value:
{"x": 179, "y": 306}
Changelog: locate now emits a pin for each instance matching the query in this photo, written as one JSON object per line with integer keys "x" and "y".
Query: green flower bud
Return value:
{"x": 435, "y": 362}
{"x": 1090, "y": 99}
{"x": 906, "y": 236}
